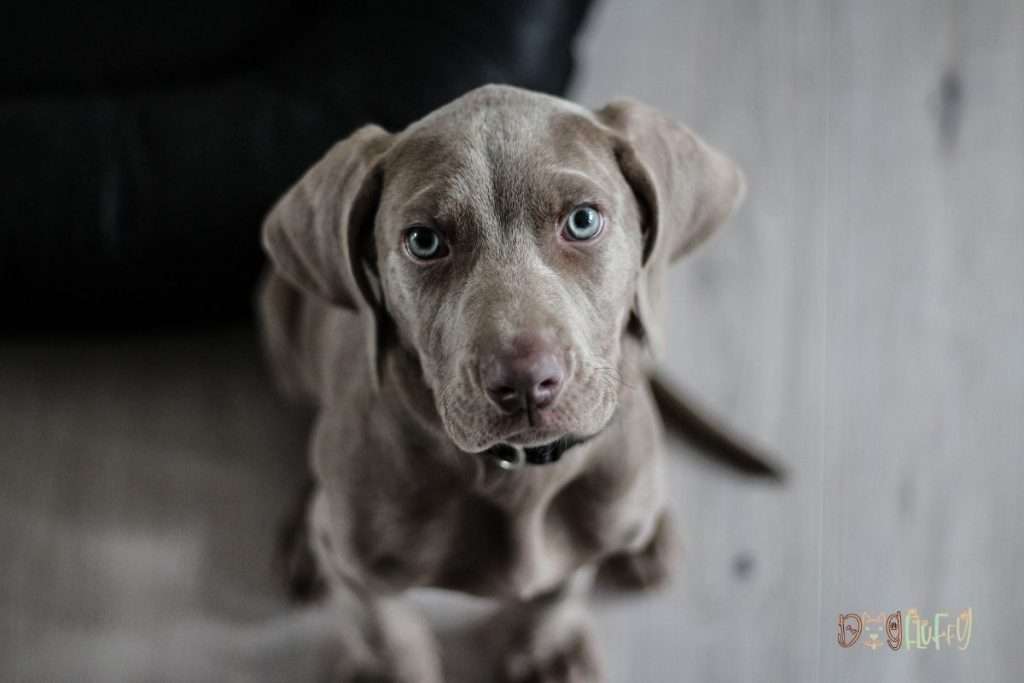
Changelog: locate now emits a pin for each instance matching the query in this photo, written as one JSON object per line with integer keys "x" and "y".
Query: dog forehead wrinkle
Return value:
{"x": 568, "y": 180}
{"x": 509, "y": 170}
{"x": 493, "y": 161}
{"x": 421, "y": 202}
{"x": 446, "y": 158}
{"x": 514, "y": 139}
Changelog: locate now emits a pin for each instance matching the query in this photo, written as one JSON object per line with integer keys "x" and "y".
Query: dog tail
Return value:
{"x": 711, "y": 439}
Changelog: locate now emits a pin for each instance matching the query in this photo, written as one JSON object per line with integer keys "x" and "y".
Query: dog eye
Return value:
{"x": 425, "y": 243}
{"x": 584, "y": 223}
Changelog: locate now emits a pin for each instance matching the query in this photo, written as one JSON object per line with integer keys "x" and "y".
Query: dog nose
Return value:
{"x": 528, "y": 378}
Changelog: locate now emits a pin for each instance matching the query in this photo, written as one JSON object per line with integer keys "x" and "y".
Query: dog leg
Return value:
{"x": 294, "y": 561}
{"x": 650, "y": 567}
{"x": 381, "y": 640}
{"x": 546, "y": 640}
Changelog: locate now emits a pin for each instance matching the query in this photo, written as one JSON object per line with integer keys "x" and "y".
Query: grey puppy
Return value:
{"x": 472, "y": 305}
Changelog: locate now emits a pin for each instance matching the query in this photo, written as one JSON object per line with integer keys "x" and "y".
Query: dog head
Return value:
{"x": 511, "y": 240}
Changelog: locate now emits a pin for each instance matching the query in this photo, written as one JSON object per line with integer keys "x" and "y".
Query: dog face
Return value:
{"x": 510, "y": 239}
{"x": 508, "y": 246}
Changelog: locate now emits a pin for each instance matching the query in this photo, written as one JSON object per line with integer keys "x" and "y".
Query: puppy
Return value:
{"x": 472, "y": 305}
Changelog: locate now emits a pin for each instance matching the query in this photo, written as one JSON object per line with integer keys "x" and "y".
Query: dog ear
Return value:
{"x": 685, "y": 187}
{"x": 319, "y": 235}
{"x": 317, "y": 232}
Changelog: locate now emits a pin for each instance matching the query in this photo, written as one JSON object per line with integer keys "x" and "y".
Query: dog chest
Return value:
{"x": 497, "y": 547}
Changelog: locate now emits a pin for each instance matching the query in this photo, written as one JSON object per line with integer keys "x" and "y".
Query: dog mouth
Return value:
{"x": 511, "y": 440}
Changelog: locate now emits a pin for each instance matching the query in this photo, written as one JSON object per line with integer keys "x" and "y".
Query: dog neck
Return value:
{"x": 510, "y": 457}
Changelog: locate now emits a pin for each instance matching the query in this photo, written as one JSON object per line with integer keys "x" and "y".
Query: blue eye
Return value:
{"x": 584, "y": 223}
{"x": 425, "y": 243}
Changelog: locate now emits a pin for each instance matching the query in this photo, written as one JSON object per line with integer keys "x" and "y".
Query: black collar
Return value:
{"x": 513, "y": 457}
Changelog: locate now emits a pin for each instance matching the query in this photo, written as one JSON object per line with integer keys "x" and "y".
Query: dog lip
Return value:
{"x": 532, "y": 437}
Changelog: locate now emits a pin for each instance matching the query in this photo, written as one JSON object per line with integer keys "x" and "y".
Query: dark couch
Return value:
{"x": 143, "y": 142}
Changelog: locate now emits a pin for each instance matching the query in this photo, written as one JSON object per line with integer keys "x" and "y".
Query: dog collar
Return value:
{"x": 509, "y": 457}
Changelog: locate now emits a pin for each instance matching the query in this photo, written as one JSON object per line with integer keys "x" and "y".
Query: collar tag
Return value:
{"x": 509, "y": 457}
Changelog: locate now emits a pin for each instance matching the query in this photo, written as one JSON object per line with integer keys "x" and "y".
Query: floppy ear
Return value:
{"x": 319, "y": 235}
{"x": 685, "y": 188}
{"x": 315, "y": 233}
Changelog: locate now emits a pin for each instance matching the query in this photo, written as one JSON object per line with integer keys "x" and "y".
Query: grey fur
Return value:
{"x": 388, "y": 351}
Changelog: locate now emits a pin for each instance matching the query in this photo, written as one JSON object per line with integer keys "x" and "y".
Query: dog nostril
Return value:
{"x": 506, "y": 396}
{"x": 543, "y": 393}
{"x": 547, "y": 375}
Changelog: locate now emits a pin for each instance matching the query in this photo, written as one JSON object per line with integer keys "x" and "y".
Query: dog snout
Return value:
{"x": 528, "y": 376}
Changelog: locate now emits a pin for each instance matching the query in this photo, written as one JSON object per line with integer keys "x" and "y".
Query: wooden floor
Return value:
{"x": 863, "y": 316}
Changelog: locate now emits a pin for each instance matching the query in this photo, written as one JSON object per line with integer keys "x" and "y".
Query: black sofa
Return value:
{"x": 141, "y": 143}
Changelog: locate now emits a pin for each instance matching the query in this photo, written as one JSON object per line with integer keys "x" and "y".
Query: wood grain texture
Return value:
{"x": 863, "y": 316}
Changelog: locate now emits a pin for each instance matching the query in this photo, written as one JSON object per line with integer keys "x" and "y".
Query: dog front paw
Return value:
{"x": 381, "y": 642}
{"x": 367, "y": 677}
{"x": 571, "y": 661}
{"x": 545, "y": 643}
{"x": 381, "y": 671}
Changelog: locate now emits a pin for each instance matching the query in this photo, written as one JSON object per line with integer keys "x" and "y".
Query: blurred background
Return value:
{"x": 862, "y": 317}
